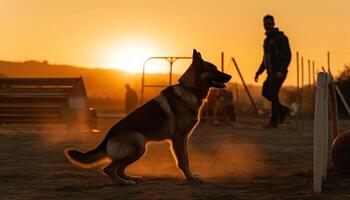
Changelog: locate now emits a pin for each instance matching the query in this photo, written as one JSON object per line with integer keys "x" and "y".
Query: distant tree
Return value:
{"x": 343, "y": 82}
{"x": 345, "y": 74}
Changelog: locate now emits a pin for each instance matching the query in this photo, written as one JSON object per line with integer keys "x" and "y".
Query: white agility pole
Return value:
{"x": 321, "y": 132}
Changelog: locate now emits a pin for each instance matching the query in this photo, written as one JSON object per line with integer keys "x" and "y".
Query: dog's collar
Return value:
{"x": 187, "y": 96}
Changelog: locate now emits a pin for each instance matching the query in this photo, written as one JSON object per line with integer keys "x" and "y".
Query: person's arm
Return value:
{"x": 260, "y": 70}
{"x": 285, "y": 49}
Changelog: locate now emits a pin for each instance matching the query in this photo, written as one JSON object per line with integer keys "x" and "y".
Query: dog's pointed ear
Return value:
{"x": 196, "y": 56}
{"x": 194, "y": 52}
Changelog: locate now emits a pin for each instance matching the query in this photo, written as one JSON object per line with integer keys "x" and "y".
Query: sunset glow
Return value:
{"x": 122, "y": 34}
{"x": 129, "y": 58}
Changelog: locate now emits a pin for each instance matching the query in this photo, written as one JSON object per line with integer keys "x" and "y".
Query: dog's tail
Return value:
{"x": 88, "y": 159}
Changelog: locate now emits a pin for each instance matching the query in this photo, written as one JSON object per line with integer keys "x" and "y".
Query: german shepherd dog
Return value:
{"x": 172, "y": 116}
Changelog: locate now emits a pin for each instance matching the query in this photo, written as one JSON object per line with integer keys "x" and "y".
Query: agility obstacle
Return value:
{"x": 45, "y": 100}
{"x": 171, "y": 60}
{"x": 321, "y": 129}
{"x": 325, "y": 102}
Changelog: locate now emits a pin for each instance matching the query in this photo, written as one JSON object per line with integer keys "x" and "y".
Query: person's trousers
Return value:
{"x": 270, "y": 91}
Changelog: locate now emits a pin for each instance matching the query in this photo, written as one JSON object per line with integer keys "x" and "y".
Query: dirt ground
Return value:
{"x": 240, "y": 161}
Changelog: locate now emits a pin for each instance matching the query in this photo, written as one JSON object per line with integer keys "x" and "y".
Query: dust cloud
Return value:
{"x": 219, "y": 160}
{"x": 216, "y": 159}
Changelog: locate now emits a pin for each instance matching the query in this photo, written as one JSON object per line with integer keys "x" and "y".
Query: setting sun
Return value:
{"x": 130, "y": 57}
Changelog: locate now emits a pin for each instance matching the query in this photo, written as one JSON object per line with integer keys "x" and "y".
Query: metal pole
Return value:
{"x": 309, "y": 68}
{"x": 171, "y": 61}
{"x": 342, "y": 99}
{"x": 298, "y": 90}
{"x": 222, "y": 61}
{"x": 313, "y": 73}
{"x": 302, "y": 91}
{"x": 302, "y": 73}
{"x": 143, "y": 81}
{"x": 245, "y": 86}
{"x": 328, "y": 61}
{"x": 298, "y": 87}
{"x": 339, "y": 93}
{"x": 333, "y": 107}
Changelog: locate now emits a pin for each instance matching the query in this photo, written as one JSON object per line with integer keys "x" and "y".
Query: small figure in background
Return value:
{"x": 229, "y": 106}
{"x": 131, "y": 99}
{"x": 220, "y": 105}
{"x": 224, "y": 108}
{"x": 208, "y": 110}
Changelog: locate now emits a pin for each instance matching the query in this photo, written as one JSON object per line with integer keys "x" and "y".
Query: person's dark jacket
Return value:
{"x": 277, "y": 53}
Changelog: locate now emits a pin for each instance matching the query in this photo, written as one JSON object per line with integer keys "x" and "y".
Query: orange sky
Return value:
{"x": 101, "y": 33}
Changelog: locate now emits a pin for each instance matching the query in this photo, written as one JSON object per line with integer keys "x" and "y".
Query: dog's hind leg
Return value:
{"x": 124, "y": 149}
{"x": 123, "y": 164}
{"x": 111, "y": 171}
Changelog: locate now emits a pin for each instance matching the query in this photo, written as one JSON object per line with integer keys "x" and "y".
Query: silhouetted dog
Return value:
{"x": 172, "y": 116}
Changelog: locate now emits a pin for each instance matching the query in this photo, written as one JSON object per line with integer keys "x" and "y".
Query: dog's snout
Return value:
{"x": 226, "y": 77}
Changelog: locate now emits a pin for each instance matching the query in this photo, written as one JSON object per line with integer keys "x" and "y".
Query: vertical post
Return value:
{"x": 298, "y": 72}
{"x": 313, "y": 73}
{"x": 171, "y": 61}
{"x": 328, "y": 61}
{"x": 333, "y": 108}
{"x": 298, "y": 90}
{"x": 301, "y": 91}
{"x": 245, "y": 86}
{"x": 143, "y": 82}
{"x": 302, "y": 73}
{"x": 222, "y": 61}
{"x": 309, "y": 70}
{"x": 321, "y": 128}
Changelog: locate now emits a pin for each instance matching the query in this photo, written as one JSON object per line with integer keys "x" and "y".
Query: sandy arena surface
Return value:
{"x": 242, "y": 161}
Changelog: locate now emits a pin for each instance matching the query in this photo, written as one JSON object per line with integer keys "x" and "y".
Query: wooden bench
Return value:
{"x": 45, "y": 100}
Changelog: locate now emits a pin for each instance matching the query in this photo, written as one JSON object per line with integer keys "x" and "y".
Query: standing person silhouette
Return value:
{"x": 277, "y": 56}
{"x": 229, "y": 106}
{"x": 131, "y": 99}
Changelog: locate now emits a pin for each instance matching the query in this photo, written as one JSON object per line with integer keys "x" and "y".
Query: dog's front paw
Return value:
{"x": 194, "y": 179}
